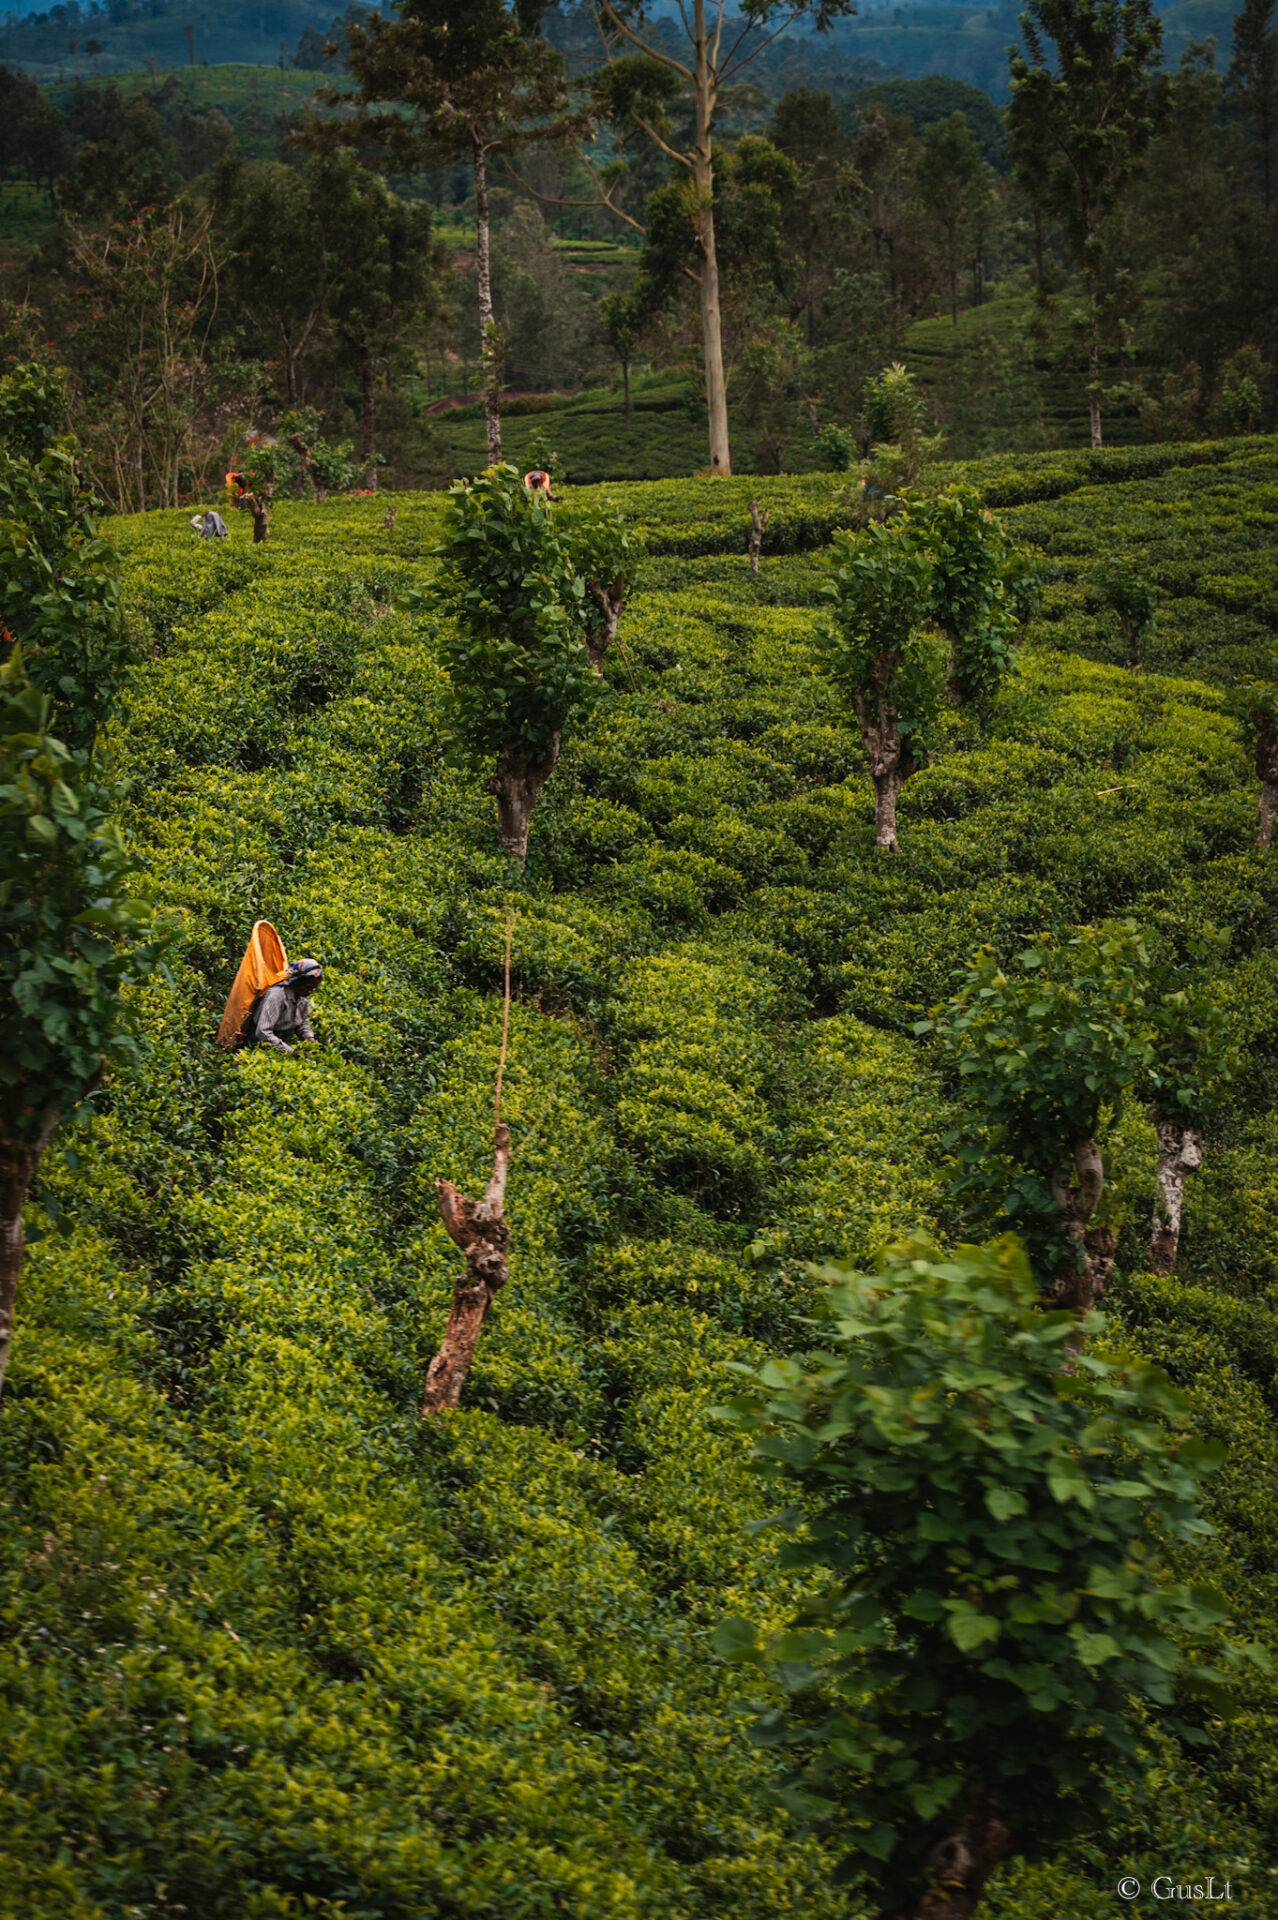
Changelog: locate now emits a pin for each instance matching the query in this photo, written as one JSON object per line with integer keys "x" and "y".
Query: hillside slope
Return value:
{"x": 270, "y": 1648}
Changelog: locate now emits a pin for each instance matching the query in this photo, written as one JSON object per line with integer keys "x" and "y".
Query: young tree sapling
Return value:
{"x": 877, "y": 651}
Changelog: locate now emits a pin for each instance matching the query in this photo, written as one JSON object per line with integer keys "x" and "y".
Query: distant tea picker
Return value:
{"x": 538, "y": 482}
{"x": 270, "y": 1001}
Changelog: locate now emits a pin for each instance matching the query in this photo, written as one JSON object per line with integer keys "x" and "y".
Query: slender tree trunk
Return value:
{"x": 953, "y": 295}
{"x": 1267, "y": 769}
{"x": 881, "y": 738}
{"x": 480, "y": 1229}
{"x": 489, "y": 333}
{"x": 1266, "y": 812}
{"x": 759, "y": 518}
{"x": 18, "y": 1162}
{"x": 1093, "y": 367}
{"x": 960, "y": 1867}
{"x": 368, "y": 420}
{"x": 1083, "y": 1279}
{"x": 517, "y": 783}
{"x": 887, "y": 786}
{"x": 625, "y": 387}
{"x": 703, "y": 186}
{"x": 611, "y": 602}
{"x": 1038, "y": 245}
{"x": 1180, "y": 1153}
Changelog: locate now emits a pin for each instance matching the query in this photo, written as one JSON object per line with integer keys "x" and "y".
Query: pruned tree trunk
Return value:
{"x": 259, "y": 507}
{"x": 480, "y": 1229}
{"x": 1266, "y": 726}
{"x": 759, "y": 518}
{"x": 1083, "y": 1279}
{"x": 489, "y": 332}
{"x": 960, "y": 1867}
{"x": 1180, "y": 1153}
{"x": 19, "y": 1159}
{"x": 611, "y": 602}
{"x": 517, "y": 783}
{"x": 368, "y": 421}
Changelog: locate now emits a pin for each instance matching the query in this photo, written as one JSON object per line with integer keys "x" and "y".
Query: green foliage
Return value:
{"x": 836, "y": 448}
{"x": 516, "y": 656}
{"x": 1045, "y": 1053}
{"x": 895, "y": 411}
{"x": 874, "y": 647}
{"x": 990, "y": 1532}
{"x": 58, "y": 589}
{"x": 1126, "y": 588}
{"x": 239, "y": 1261}
{"x": 971, "y": 601}
{"x": 33, "y": 409}
{"x": 68, "y": 915}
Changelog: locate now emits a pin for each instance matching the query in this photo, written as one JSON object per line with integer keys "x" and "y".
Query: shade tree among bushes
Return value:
{"x": 70, "y": 929}
{"x": 1126, "y": 589}
{"x": 534, "y": 603}
{"x": 993, "y": 1621}
{"x": 879, "y": 654}
{"x": 1047, "y": 1052}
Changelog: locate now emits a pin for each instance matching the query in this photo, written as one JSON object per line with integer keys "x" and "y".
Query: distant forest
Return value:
{"x": 960, "y": 40}
{"x": 295, "y": 269}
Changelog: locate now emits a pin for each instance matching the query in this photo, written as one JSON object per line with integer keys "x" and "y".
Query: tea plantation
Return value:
{"x": 271, "y": 1647}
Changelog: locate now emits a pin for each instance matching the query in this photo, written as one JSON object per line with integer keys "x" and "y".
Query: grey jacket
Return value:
{"x": 283, "y": 1016}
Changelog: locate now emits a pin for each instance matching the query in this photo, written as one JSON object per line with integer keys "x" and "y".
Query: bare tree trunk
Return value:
{"x": 489, "y": 332}
{"x": 368, "y": 421}
{"x": 1266, "y": 726}
{"x": 625, "y": 387}
{"x": 887, "y": 787}
{"x": 703, "y": 186}
{"x": 1083, "y": 1279}
{"x": 259, "y": 507}
{"x": 1093, "y": 367}
{"x": 480, "y": 1229}
{"x": 18, "y": 1162}
{"x": 611, "y": 602}
{"x": 1038, "y": 245}
{"x": 517, "y": 783}
{"x": 960, "y": 1867}
{"x": 889, "y": 757}
{"x": 1180, "y": 1153}
{"x": 759, "y": 518}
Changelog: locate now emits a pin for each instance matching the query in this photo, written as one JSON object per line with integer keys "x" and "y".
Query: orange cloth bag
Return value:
{"x": 264, "y": 965}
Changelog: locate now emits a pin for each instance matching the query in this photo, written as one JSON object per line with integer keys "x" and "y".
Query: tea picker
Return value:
{"x": 270, "y": 1001}
{"x": 538, "y": 484}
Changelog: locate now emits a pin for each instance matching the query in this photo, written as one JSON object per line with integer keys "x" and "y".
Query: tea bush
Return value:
{"x": 269, "y": 1649}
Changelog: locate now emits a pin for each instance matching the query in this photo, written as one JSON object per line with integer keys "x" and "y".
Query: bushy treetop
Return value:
{"x": 988, "y": 1531}
{"x": 66, "y": 901}
{"x": 515, "y": 649}
{"x": 58, "y": 592}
